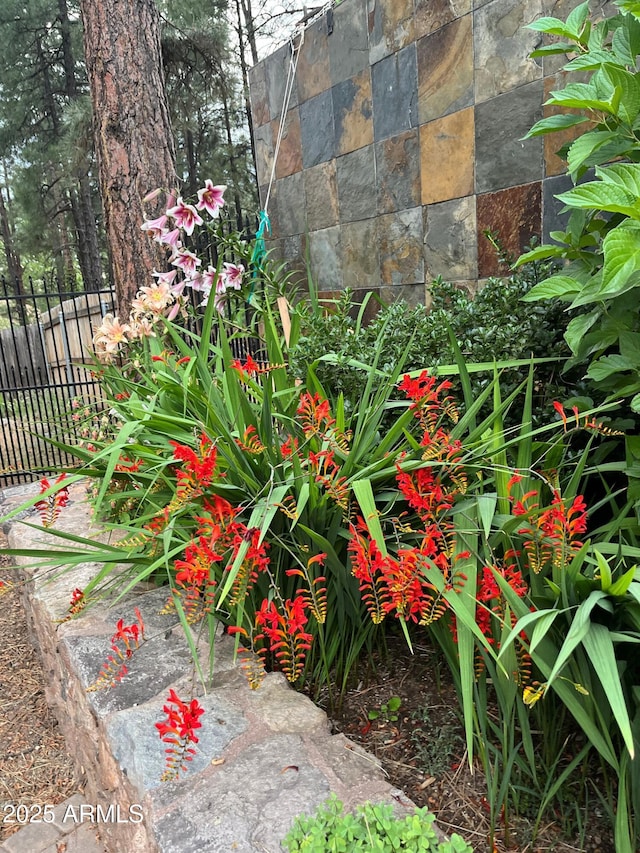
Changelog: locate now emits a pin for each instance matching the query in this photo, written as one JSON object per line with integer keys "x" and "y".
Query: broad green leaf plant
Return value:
{"x": 601, "y": 245}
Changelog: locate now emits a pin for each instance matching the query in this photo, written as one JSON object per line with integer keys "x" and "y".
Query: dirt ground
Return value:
{"x": 34, "y": 766}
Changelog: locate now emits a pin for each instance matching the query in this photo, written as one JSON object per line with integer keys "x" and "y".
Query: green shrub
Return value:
{"x": 495, "y": 325}
{"x": 373, "y": 828}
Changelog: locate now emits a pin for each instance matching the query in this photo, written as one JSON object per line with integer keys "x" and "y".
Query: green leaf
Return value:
{"x": 557, "y": 48}
{"x": 599, "y": 195}
{"x": 551, "y": 124}
{"x": 578, "y": 327}
{"x": 593, "y": 148}
{"x": 601, "y": 652}
{"x": 591, "y": 60}
{"x": 577, "y": 18}
{"x": 552, "y": 26}
{"x": 609, "y": 365}
{"x": 626, "y": 42}
{"x": 629, "y": 7}
{"x": 556, "y": 286}
{"x": 621, "y": 249}
{"x": 583, "y": 96}
{"x": 629, "y": 87}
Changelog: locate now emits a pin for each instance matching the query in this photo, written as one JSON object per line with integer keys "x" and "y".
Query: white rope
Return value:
{"x": 288, "y": 89}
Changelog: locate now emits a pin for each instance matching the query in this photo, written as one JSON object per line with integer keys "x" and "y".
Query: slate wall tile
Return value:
{"x": 349, "y": 41}
{"x": 503, "y": 159}
{"x": 325, "y": 255}
{"x": 288, "y": 194}
{"x": 290, "y": 153}
{"x": 356, "y": 189}
{"x": 514, "y": 215}
{"x": 263, "y": 146}
{"x": 258, "y": 95}
{"x": 394, "y": 83}
{"x": 502, "y": 46}
{"x": 445, "y": 70}
{"x": 391, "y": 27}
{"x": 450, "y": 245}
{"x": 276, "y": 69}
{"x": 352, "y": 112}
{"x": 430, "y": 15}
{"x": 552, "y": 218}
{"x": 317, "y": 130}
{"x": 447, "y": 156}
{"x": 398, "y": 172}
{"x": 312, "y": 74}
{"x": 321, "y": 194}
{"x": 400, "y": 244}
{"x": 360, "y": 263}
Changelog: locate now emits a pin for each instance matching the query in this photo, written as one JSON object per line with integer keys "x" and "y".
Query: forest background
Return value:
{"x": 51, "y": 215}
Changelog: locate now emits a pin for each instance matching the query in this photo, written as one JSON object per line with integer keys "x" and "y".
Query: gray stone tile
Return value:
{"x": 349, "y": 40}
{"x": 395, "y": 93}
{"x": 321, "y": 194}
{"x": 263, "y": 144}
{"x": 317, "y": 129}
{"x": 502, "y": 46}
{"x": 400, "y": 241}
{"x": 325, "y": 254}
{"x": 290, "y": 204}
{"x": 450, "y": 246}
{"x": 360, "y": 264}
{"x": 391, "y": 27}
{"x": 312, "y": 73}
{"x": 258, "y": 95}
{"x": 356, "y": 184}
{"x": 503, "y": 158}
{"x": 552, "y": 218}
{"x": 398, "y": 172}
{"x": 276, "y": 70}
{"x": 412, "y": 294}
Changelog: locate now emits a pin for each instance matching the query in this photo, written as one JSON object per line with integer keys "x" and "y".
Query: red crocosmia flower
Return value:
{"x": 199, "y": 468}
{"x": 287, "y": 641}
{"x": 124, "y": 642}
{"x": 178, "y": 731}
{"x": 51, "y": 506}
{"x": 314, "y": 414}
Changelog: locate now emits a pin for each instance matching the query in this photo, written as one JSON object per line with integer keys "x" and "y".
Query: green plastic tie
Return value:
{"x": 259, "y": 250}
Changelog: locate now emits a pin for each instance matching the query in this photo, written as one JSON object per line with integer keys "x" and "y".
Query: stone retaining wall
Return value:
{"x": 264, "y": 756}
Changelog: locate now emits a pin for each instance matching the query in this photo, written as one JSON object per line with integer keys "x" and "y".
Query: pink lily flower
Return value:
{"x": 186, "y": 260}
{"x": 210, "y": 198}
{"x": 232, "y": 275}
{"x": 156, "y": 227}
{"x": 171, "y": 238}
{"x": 185, "y": 216}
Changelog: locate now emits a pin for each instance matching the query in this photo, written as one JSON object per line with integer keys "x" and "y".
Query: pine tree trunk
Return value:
{"x": 132, "y": 132}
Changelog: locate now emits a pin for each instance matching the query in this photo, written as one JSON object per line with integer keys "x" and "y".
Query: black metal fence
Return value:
{"x": 46, "y": 332}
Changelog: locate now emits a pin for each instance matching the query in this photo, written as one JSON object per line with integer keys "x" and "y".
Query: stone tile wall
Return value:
{"x": 403, "y": 142}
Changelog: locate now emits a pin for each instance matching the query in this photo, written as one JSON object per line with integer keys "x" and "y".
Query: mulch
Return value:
{"x": 35, "y": 768}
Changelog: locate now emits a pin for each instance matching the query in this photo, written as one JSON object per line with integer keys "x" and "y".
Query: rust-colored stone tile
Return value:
{"x": 353, "y": 114}
{"x": 290, "y": 154}
{"x": 514, "y": 215}
{"x": 391, "y": 27}
{"x": 446, "y": 156}
{"x": 312, "y": 74}
{"x": 445, "y": 70}
{"x": 430, "y": 15}
{"x": 552, "y": 142}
